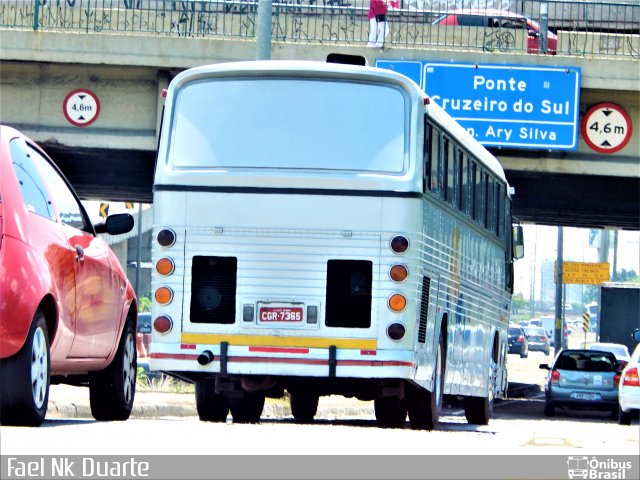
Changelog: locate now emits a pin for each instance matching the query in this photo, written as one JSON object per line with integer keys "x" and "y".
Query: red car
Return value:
{"x": 67, "y": 311}
{"x": 503, "y": 21}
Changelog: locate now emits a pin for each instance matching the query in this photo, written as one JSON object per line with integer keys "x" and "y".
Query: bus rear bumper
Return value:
{"x": 303, "y": 362}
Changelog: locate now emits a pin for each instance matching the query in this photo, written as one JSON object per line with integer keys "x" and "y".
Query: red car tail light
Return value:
{"x": 521, "y": 339}
{"x": 555, "y": 376}
{"x": 631, "y": 378}
{"x": 543, "y": 338}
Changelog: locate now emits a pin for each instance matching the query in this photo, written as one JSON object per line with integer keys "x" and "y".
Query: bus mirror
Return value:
{"x": 518, "y": 242}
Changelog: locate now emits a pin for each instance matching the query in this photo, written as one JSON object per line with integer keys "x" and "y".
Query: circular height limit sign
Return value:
{"x": 606, "y": 128}
{"x": 81, "y": 107}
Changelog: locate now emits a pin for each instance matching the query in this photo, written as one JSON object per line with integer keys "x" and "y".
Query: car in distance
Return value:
{"x": 68, "y": 312}
{"x": 629, "y": 388}
{"x": 502, "y": 21}
{"x": 518, "y": 342}
{"x": 620, "y": 351}
{"x": 582, "y": 379}
{"x": 538, "y": 340}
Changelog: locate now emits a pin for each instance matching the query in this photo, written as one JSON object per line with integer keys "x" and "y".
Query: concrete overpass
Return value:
{"x": 114, "y": 157}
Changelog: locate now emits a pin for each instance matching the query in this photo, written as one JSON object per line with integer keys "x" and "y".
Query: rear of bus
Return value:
{"x": 286, "y": 227}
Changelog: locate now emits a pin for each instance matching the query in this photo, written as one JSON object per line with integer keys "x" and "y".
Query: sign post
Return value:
{"x": 586, "y": 325}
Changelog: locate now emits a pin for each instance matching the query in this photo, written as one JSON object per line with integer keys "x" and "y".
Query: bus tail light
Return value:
{"x": 397, "y": 302}
{"x": 398, "y": 273}
{"x": 165, "y": 266}
{"x": 163, "y": 324}
{"x": 396, "y": 331}
{"x": 166, "y": 237}
{"x": 164, "y": 295}
{"x": 399, "y": 244}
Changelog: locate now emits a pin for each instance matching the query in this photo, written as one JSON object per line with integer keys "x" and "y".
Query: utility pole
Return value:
{"x": 263, "y": 33}
{"x": 558, "y": 337}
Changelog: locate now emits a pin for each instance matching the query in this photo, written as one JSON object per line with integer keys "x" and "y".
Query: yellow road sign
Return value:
{"x": 128, "y": 205}
{"x": 104, "y": 210}
{"x": 586, "y": 322}
{"x": 582, "y": 273}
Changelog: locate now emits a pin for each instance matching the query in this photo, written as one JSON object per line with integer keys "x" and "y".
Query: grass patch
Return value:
{"x": 162, "y": 383}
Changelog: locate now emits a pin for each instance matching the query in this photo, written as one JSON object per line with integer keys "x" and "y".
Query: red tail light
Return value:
{"x": 543, "y": 338}
{"x": 616, "y": 379}
{"x": 631, "y": 378}
{"x": 555, "y": 376}
{"x": 521, "y": 339}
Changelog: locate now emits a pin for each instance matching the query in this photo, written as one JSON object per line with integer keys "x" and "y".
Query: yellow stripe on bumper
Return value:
{"x": 269, "y": 341}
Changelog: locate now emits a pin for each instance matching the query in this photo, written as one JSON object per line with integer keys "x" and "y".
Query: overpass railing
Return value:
{"x": 584, "y": 28}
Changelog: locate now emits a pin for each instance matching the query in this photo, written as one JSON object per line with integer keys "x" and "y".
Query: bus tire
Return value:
{"x": 304, "y": 406}
{"x": 391, "y": 412}
{"x": 247, "y": 408}
{"x": 211, "y": 406}
{"x": 112, "y": 390}
{"x": 25, "y": 379}
{"x": 477, "y": 410}
{"x": 424, "y": 407}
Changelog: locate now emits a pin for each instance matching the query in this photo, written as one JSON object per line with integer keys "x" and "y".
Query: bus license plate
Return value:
{"x": 280, "y": 314}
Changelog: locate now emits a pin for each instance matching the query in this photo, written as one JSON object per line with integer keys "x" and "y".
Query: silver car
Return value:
{"x": 582, "y": 379}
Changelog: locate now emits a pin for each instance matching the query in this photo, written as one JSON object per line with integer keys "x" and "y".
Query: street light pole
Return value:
{"x": 263, "y": 33}
{"x": 558, "y": 336}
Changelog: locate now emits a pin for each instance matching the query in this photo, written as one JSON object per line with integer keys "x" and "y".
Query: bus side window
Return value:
{"x": 490, "y": 213}
{"x": 435, "y": 160}
{"x": 450, "y": 163}
{"x": 500, "y": 210}
{"x": 477, "y": 201}
{"x": 465, "y": 200}
{"x": 427, "y": 155}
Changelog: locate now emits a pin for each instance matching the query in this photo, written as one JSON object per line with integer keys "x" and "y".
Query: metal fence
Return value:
{"x": 585, "y": 28}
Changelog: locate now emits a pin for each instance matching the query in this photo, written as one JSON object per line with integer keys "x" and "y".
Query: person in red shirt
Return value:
{"x": 378, "y": 23}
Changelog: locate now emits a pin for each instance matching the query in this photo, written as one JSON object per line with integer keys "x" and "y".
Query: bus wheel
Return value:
{"x": 477, "y": 410}
{"x": 303, "y": 406}
{"x": 211, "y": 406}
{"x": 424, "y": 406}
{"x": 248, "y": 408}
{"x": 391, "y": 412}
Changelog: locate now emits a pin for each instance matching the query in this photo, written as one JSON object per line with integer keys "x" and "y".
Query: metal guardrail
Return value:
{"x": 585, "y": 28}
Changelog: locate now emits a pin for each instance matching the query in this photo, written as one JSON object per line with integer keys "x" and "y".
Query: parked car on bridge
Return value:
{"x": 503, "y": 20}
{"x": 629, "y": 388}
{"x": 582, "y": 379}
{"x": 67, "y": 311}
{"x": 518, "y": 342}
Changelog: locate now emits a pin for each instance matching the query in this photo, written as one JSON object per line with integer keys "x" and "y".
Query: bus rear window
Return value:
{"x": 290, "y": 124}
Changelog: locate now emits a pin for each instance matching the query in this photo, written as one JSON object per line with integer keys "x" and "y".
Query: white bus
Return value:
{"x": 325, "y": 229}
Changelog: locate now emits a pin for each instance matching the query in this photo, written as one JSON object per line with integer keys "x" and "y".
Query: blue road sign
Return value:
{"x": 504, "y": 105}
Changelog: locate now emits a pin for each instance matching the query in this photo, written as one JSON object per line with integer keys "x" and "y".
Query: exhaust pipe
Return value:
{"x": 205, "y": 357}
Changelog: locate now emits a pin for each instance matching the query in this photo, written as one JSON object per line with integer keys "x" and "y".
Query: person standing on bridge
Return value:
{"x": 378, "y": 23}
